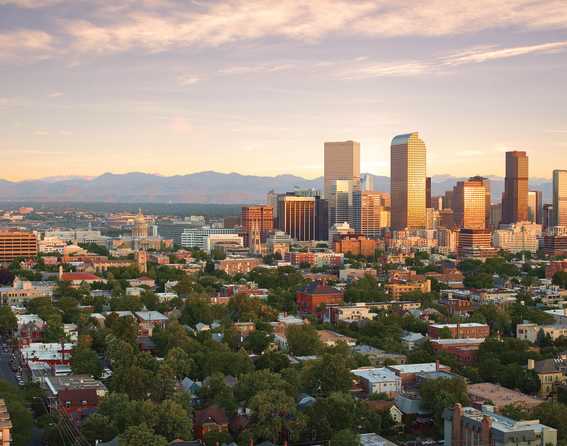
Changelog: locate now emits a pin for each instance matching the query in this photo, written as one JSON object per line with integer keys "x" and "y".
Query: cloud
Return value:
{"x": 484, "y": 54}
{"x": 24, "y": 43}
{"x": 260, "y": 68}
{"x": 442, "y": 64}
{"x": 55, "y": 94}
{"x": 187, "y": 80}
{"x": 30, "y": 4}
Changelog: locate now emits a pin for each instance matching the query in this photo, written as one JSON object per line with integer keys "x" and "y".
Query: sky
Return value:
{"x": 257, "y": 86}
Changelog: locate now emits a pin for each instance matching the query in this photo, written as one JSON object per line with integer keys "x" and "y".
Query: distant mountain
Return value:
{"x": 202, "y": 187}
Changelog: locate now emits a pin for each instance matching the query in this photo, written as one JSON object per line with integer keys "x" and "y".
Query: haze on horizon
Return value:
{"x": 256, "y": 87}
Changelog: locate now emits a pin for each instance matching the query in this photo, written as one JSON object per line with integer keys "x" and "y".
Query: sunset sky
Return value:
{"x": 257, "y": 86}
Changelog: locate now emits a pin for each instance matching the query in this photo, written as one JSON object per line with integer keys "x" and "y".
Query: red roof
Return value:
{"x": 72, "y": 277}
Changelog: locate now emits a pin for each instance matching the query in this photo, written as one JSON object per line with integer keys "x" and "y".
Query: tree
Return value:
{"x": 274, "y": 361}
{"x": 346, "y": 437}
{"x": 173, "y": 421}
{"x": 560, "y": 279}
{"x": 20, "y": 415}
{"x": 273, "y": 413}
{"x": 98, "y": 427}
{"x": 258, "y": 341}
{"x": 141, "y": 435}
{"x": 8, "y": 320}
{"x": 250, "y": 384}
{"x": 332, "y": 414}
{"x": 331, "y": 373}
{"x": 84, "y": 361}
{"x": 303, "y": 340}
{"x": 180, "y": 362}
{"x": 439, "y": 394}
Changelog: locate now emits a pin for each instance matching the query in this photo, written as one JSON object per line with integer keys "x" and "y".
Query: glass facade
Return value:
{"x": 560, "y": 197}
{"x": 515, "y": 199}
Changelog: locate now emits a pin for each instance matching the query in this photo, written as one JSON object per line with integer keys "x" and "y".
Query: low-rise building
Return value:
{"x": 379, "y": 380}
{"x": 529, "y": 331}
{"x": 550, "y": 373}
{"x": 332, "y": 338}
{"x": 314, "y": 296}
{"x": 148, "y": 320}
{"x": 238, "y": 265}
{"x": 5, "y": 425}
{"x": 465, "y": 349}
{"x": 408, "y": 372}
{"x": 464, "y": 330}
{"x": 396, "y": 290}
{"x": 470, "y": 426}
{"x": 499, "y": 396}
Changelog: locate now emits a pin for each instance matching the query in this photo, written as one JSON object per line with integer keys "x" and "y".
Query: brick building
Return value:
{"x": 357, "y": 245}
{"x": 466, "y": 330}
{"x": 310, "y": 298}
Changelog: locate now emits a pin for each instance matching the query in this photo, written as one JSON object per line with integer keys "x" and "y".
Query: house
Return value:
{"x": 51, "y": 353}
{"x": 76, "y": 395}
{"x": 412, "y": 340}
{"x": 408, "y": 372}
{"x": 348, "y": 313}
{"x": 143, "y": 281}
{"x": 331, "y": 338}
{"x": 148, "y": 320}
{"x": 550, "y": 374}
{"x": 211, "y": 419}
{"x": 530, "y": 331}
{"x": 314, "y": 296}
{"x": 386, "y": 407}
{"x": 30, "y": 328}
{"x": 5, "y": 425}
{"x": 378, "y": 380}
{"x": 76, "y": 279}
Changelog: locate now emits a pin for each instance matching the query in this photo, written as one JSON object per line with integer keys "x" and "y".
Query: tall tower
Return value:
{"x": 297, "y": 216}
{"x": 469, "y": 204}
{"x": 560, "y": 197}
{"x": 408, "y": 173}
{"x": 515, "y": 200}
{"x": 140, "y": 230}
{"x": 535, "y": 206}
{"x": 260, "y": 218}
{"x": 342, "y": 162}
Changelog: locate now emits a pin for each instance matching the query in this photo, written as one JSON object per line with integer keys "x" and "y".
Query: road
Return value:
{"x": 5, "y": 371}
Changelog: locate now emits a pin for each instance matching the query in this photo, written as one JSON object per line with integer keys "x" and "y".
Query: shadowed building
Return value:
{"x": 560, "y": 197}
{"x": 408, "y": 182}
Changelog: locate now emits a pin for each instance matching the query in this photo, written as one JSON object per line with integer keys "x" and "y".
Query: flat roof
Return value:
{"x": 464, "y": 325}
{"x": 417, "y": 368}
{"x": 376, "y": 375}
{"x": 501, "y": 396}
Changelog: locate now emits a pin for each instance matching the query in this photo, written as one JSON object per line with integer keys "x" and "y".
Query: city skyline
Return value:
{"x": 93, "y": 90}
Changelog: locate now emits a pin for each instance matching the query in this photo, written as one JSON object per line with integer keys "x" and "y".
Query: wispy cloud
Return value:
{"x": 186, "y": 80}
{"x": 260, "y": 68}
{"x": 55, "y": 94}
{"x": 442, "y": 64}
{"x": 25, "y": 43}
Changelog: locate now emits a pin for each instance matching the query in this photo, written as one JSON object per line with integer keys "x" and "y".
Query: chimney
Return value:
{"x": 531, "y": 364}
{"x": 60, "y": 276}
{"x": 437, "y": 365}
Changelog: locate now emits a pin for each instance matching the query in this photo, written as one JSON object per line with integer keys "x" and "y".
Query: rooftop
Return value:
{"x": 417, "y": 368}
{"x": 500, "y": 396}
{"x": 151, "y": 316}
{"x": 376, "y": 375}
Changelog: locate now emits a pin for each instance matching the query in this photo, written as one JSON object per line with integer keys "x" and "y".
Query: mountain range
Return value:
{"x": 201, "y": 187}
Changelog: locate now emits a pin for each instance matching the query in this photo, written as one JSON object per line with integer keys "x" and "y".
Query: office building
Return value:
{"x": 548, "y": 217}
{"x": 342, "y": 162}
{"x": 15, "y": 244}
{"x": 469, "y": 204}
{"x": 428, "y": 203}
{"x": 173, "y": 230}
{"x": 486, "y": 183}
{"x": 535, "y": 206}
{"x": 321, "y": 219}
{"x": 517, "y": 237}
{"x": 515, "y": 199}
{"x": 374, "y": 215}
{"x": 198, "y": 237}
{"x": 257, "y": 218}
{"x": 560, "y": 197}
{"x": 366, "y": 182}
{"x": 470, "y": 426}
{"x": 297, "y": 216}
{"x": 476, "y": 243}
{"x": 342, "y": 202}
{"x": 408, "y": 173}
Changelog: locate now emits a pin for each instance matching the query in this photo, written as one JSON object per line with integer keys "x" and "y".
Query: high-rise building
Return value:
{"x": 297, "y": 216}
{"x": 486, "y": 183}
{"x": 515, "y": 200}
{"x": 342, "y": 202}
{"x": 15, "y": 244}
{"x": 272, "y": 200}
{"x": 408, "y": 173}
{"x": 428, "y": 204}
{"x": 342, "y": 162}
{"x": 547, "y": 216}
{"x": 374, "y": 216}
{"x": 366, "y": 182}
{"x": 476, "y": 243}
{"x": 535, "y": 206}
{"x": 258, "y": 218}
{"x": 560, "y": 197}
{"x": 321, "y": 219}
{"x": 469, "y": 204}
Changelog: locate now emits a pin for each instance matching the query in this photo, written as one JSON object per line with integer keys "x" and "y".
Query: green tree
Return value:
{"x": 84, "y": 361}
{"x": 258, "y": 341}
{"x": 8, "y": 321}
{"x": 273, "y": 413}
{"x": 345, "y": 437}
{"x": 439, "y": 394}
{"x": 20, "y": 415}
{"x": 303, "y": 340}
{"x": 98, "y": 427}
{"x": 331, "y": 373}
{"x": 141, "y": 435}
{"x": 173, "y": 421}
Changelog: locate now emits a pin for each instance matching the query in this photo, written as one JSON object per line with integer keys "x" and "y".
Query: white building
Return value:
{"x": 379, "y": 380}
{"x": 198, "y": 237}
{"x": 517, "y": 237}
{"x": 213, "y": 240}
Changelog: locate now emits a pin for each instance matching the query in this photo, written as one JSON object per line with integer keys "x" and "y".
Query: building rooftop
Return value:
{"x": 463, "y": 325}
{"x": 376, "y": 375}
{"x": 460, "y": 341}
{"x": 500, "y": 396}
{"x": 417, "y": 368}
{"x": 151, "y": 316}
{"x": 374, "y": 440}
{"x": 73, "y": 382}
{"x": 5, "y": 422}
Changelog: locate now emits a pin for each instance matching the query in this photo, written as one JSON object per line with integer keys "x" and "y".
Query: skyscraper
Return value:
{"x": 341, "y": 202}
{"x": 535, "y": 206}
{"x": 408, "y": 173}
{"x": 366, "y": 182}
{"x": 373, "y": 214}
{"x": 258, "y": 218}
{"x": 428, "y": 193}
{"x": 296, "y": 216}
{"x": 342, "y": 162}
{"x": 515, "y": 200}
{"x": 560, "y": 197}
{"x": 469, "y": 204}
{"x": 486, "y": 184}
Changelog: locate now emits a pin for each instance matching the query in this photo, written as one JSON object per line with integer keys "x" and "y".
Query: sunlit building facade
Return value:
{"x": 342, "y": 162}
{"x": 535, "y": 206}
{"x": 374, "y": 216}
{"x": 297, "y": 216}
{"x": 560, "y": 197}
{"x": 408, "y": 182}
{"x": 469, "y": 204}
{"x": 515, "y": 199}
